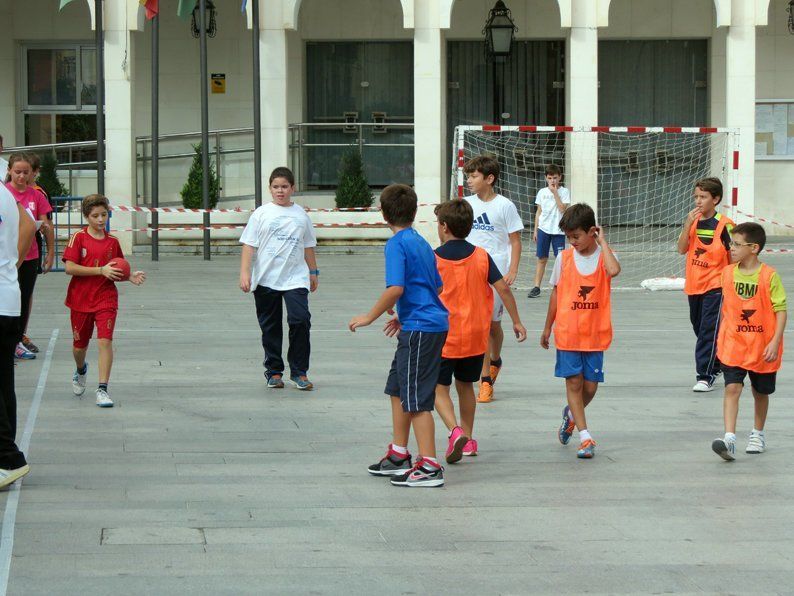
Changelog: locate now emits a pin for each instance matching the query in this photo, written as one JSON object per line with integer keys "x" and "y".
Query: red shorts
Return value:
{"x": 83, "y": 326}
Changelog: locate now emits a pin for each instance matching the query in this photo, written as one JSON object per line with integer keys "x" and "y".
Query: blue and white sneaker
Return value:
{"x": 275, "y": 382}
{"x": 725, "y": 448}
{"x": 586, "y": 449}
{"x": 301, "y": 382}
{"x": 22, "y": 353}
{"x": 103, "y": 399}
{"x": 78, "y": 381}
{"x": 567, "y": 427}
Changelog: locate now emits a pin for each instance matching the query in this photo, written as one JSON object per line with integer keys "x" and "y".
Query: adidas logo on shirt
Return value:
{"x": 483, "y": 223}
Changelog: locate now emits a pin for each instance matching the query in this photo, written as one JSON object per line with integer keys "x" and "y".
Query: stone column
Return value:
{"x": 581, "y": 101}
{"x": 120, "y": 171}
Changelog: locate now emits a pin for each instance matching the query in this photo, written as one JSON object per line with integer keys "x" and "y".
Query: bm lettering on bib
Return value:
{"x": 583, "y": 304}
{"x": 746, "y": 325}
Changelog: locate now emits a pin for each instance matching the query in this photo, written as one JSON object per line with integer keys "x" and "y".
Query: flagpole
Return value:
{"x": 205, "y": 156}
{"x": 99, "y": 35}
{"x": 257, "y": 106}
{"x": 155, "y": 136}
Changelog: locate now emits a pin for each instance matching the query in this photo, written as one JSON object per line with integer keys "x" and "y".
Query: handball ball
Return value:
{"x": 124, "y": 265}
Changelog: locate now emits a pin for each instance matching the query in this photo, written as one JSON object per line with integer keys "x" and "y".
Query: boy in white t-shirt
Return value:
{"x": 281, "y": 236}
{"x": 551, "y": 203}
{"x": 497, "y": 228}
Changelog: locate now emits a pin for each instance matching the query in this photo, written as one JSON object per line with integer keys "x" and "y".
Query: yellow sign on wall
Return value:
{"x": 218, "y": 82}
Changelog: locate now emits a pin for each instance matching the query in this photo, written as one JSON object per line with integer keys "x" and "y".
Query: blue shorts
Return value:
{"x": 588, "y": 364}
{"x": 555, "y": 241}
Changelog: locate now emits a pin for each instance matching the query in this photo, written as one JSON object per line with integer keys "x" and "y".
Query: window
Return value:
{"x": 774, "y": 129}
{"x": 58, "y": 92}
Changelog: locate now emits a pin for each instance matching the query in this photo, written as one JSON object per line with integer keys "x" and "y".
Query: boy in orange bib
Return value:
{"x": 751, "y": 335}
{"x": 580, "y": 311}
{"x": 705, "y": 240}
{"x": 467, "y": 273}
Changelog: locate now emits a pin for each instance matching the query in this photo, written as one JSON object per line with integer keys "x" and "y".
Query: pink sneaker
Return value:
{"x": 457, "y": 440}
{"x": 471, "y": 448}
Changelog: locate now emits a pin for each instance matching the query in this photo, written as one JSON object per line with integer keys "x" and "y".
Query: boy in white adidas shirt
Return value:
{"x": 497, "y": 229}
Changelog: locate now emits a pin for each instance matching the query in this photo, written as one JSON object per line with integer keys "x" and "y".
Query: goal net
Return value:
{"x": 639, "y": 181}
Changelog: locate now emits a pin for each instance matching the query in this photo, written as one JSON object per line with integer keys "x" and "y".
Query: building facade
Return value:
{"x": 416, "y": 68}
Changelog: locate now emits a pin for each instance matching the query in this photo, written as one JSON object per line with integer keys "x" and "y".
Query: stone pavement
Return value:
{"x": 201, "y": 481}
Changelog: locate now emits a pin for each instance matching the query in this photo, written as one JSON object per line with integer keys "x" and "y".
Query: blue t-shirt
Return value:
{"x": 411, "y": 264}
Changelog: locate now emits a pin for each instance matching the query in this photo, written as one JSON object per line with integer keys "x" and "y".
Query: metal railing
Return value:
{"x": 66, "y": 154}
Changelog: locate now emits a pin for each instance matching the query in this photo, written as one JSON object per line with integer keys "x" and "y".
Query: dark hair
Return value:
{"x": 458, "y": 215}
{"x": 713, "y": 186}
{"x": 553, "y": 170}
{"x": 282, "y": 172}
{"x": 752, "y": 232}
{"x": 485, "y": 165}
{"x": 578, "y": 217}
{"x": 91, "y": 201}
{"x": 16, "y": 157}
{"x": 398, "y": 203}
{"x": 34, "y": 160}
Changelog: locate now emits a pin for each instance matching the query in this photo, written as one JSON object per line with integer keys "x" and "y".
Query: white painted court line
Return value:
{"x": 10, "y": 517}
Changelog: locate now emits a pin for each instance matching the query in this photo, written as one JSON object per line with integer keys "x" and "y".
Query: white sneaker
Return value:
{"x": 756, "y": 444}
{"x": 703, "y": 387}
{"x": 78, "y": 382}
{"x": 725, "y": 448}
{"x": 10, "y": 476}
{"x": 103, "y": 399}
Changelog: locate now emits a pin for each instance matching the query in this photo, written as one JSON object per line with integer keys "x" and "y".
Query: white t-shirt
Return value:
{"x": 280, "y": 235}
{"x": 3, "y": 167}
{"x": 585, "y": 265}
{"x": 10, "y": 300}
{"x": 494, "y": 221}
{"x": 549, "y": 220}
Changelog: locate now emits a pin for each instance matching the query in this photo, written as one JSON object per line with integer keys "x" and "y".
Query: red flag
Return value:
{"x": 152, "y": 8}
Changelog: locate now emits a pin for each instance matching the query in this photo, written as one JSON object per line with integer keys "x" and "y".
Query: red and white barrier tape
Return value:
{"x": 763, "y": 219}
{"x": 136, "y": 209}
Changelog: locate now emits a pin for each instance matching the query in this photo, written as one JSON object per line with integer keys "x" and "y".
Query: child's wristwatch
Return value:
{"x": 314, "y": 272}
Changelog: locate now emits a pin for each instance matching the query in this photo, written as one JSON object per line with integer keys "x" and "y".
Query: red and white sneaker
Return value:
{"x": 457, "y": 441}
{"x": 470, "y": 448}
{"x": 424, "y": 474}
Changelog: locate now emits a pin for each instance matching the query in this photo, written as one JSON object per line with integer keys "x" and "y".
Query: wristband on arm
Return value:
{"x": 314, "y": 272}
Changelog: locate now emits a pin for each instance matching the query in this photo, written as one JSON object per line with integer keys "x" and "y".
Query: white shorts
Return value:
{"x": 498, "y": 308}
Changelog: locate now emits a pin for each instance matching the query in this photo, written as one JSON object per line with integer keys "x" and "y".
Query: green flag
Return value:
{"x": 184, "y": 10}
{"x": 63, "y": 3}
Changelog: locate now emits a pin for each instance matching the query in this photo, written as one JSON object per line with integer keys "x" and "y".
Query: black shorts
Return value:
{"x": 763, "y": 383}
{"x": 414, "y": 370}
{"x": 466, "y": 370}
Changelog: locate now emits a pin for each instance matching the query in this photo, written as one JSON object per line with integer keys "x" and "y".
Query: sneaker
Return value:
{"x": 391, "y": 465}
{"x": 78, "y": 381}
{"x": 275, "y": 382}
{"x": 726, "y": 449}
{"x": 534, "y": 292}
{"x": 421, "y": 475}
{"x": 586, "y": 449}
{"x": 486, "y": 393}
{"x": 457, "y": 442}
{"x": 10, "y": 476}
{"x": 703, "y": 387}
{"x": 756, "y": 444}
{"x": 470, "y": 450}
{"x": 22, "y": 353}
{"x": 301, "y": 382}
{"x": 567, "y": 427}
{"x": 494, "y": 372}
{"x": 103, "y": 399}
{"x": 29, "y": 345}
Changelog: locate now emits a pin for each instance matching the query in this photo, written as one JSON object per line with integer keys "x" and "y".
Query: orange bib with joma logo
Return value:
{"x": 748, "y": 325}
{"x": 705, "y": 261}
{"x": 584, "y": 320}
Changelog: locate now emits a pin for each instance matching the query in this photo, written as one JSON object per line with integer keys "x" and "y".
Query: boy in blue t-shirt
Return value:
{"x": 414, "y": 285}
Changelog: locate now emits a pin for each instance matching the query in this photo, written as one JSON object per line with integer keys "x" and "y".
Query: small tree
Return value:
{"x": 353, "y": 189}
{"x": 48, "y": 177}
{"x": 192, "y": 197}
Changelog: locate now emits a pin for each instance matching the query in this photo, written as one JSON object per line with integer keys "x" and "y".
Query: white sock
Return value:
{"x": 757, "y": 432}
{"x": 398, "y": 449}
{"x": 584, "y": 435}
{"x": 730, "y": 437}
{"x": 432, "y": 460}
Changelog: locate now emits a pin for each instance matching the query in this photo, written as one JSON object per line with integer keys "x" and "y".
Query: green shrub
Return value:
{"x": 353, "y": 189}
{"x": 48, "y": 177}
{"x": 191, "y": 192}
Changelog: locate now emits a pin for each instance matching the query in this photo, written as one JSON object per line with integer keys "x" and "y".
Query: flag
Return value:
{"x": 63, "y": 3}
{"x": 152, "y": 8}
{"x": 185, "y": 8}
